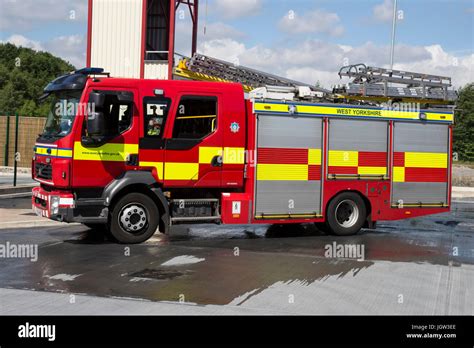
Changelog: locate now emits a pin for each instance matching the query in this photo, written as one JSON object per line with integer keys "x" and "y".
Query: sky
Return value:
{"x": 305, "y": 40}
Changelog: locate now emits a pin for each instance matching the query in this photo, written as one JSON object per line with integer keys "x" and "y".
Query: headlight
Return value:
{"x": 54, "y": 205}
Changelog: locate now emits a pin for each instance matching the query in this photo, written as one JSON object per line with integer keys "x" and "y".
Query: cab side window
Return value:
{"x": 196, "y": 117}
{"x": 156, "y": 112}
{"x": 118, "y": 114}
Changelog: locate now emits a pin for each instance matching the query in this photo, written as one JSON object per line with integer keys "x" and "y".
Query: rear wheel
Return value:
{"x": 134, "y": 219}
{"x": 346, "y": 214}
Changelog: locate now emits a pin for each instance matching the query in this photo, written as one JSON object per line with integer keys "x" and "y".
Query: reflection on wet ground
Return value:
{"x": 208, "y": 264}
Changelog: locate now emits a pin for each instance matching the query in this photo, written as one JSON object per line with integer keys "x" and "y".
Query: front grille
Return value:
{"x": 43, "y": 171}
{"x": 41, "y": 202}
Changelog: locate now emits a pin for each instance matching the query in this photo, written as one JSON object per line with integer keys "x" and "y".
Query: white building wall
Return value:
{"x": 156, "y": 70}
{"x": 117, "y": 36}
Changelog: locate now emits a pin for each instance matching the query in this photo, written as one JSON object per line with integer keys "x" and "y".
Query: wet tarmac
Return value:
{"x": 428, "y": 261}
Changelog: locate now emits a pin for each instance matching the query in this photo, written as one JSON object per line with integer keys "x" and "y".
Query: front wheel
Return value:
{"x": 346, "y": 214}
{"x": 134, "y": 219}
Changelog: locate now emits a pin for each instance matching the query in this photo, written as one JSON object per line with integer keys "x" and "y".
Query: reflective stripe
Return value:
{"x": 44, "y": 151}
{"x": 53, "y": 152}
{"x": 314, "y": 156}
{"x": 234, "y": 155}
{"x": 206, "y": 154}
{"x": 157, "y": 165}
{"x": 181, "y": 171}
{"x": 190, "y": 171}
{"x": 282, "y": 172}
{"x": 64, "y": 153}
{"x": 426, "y": 160}
{"x": 372, "y": 170}
{"x": 339, "y": 158}
{"x": 106, "y": 152}
{"x": 399, "y": 174}
{"x": 354, "y": 112}
{"x": 282, "y": 156}
{"x": 426, "y": 174}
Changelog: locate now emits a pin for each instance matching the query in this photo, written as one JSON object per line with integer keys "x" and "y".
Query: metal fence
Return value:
{"x": 22, "y": 131}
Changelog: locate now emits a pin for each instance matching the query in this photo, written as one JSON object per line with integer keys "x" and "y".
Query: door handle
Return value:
{"x": 216, "y": 161}
{"x": 132, "y": 160}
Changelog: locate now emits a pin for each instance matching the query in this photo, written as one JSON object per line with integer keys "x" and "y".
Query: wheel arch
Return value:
{"x": 365, "y": 199}
{"x": 141, "y": 182}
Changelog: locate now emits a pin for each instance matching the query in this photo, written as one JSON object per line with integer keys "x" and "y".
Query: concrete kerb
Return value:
{"x": 8, "y": 190}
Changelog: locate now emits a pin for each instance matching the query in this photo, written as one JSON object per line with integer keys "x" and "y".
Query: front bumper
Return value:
{"x": 62, "y": 206}
{"x": 55, "y": 205}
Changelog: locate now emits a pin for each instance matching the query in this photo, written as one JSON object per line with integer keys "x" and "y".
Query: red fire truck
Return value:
{"x": 147, "y": 154}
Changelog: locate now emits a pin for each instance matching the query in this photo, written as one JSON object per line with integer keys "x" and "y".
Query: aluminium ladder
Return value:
{"x": 372, "y": 83}
{"x": 205, "y": 68}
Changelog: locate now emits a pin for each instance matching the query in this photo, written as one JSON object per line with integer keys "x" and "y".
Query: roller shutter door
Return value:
{"x": 420, "y": 163}
{"x": 358, "y": 148}
{"x": 288, "y": 173}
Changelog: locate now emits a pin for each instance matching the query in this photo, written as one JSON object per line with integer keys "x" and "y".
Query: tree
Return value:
{"x": 464, "y": 124}
{"x": 23, "y": 75}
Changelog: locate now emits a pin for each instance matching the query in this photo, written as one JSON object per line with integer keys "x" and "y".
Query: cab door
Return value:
{"x": 155, "y": 110}
{"x": 194, "y": 148}
{"x": 96, "y": 164}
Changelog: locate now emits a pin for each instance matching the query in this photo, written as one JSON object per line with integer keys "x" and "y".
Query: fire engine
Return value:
{"x": 154, "y": 153}
{"x": 150, "y": 145}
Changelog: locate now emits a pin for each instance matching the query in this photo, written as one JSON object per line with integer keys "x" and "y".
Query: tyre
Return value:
{"x": 134, "y": 219}
{"x": 346, "y": 214}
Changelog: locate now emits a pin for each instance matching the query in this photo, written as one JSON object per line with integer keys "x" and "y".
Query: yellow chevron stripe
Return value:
{"x": 203, "y": 77}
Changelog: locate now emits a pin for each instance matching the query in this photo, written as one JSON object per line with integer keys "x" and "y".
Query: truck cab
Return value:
{"x": 132, "y": 155}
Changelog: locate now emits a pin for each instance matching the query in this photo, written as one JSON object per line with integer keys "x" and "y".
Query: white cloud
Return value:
{"x": 459, "y": 68}
{"x": 236, "y": 8}
{"x": 226, "y": 49}
{"x": 316, "y": 21}
{"x": 20, "y": 40}
{"x": 22, "y": 15}
{"x": 384, "y": 11}
{"x": 315, "y": 60}
{"x": 206, "y": 32}
{"x": 220, "y": 30}
{"x": 70, "y": 48}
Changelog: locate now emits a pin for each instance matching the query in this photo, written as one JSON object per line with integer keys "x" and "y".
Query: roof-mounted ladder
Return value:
{"x": 204, "y": 68}
{"x": 371, "y": 82}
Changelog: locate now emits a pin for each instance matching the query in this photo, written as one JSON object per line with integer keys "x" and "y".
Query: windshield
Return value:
{"x": 64, "y": 107}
